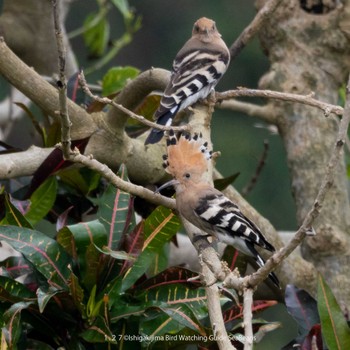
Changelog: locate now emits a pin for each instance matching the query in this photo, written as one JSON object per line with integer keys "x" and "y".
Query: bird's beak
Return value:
{"x": 173, "y": 182}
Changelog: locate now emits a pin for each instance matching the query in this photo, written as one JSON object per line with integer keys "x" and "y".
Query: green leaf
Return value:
{"x": 98, "y": 332}
{"x": 80, "y": 241}
{"x": 170, "y": 288}
{"x": 42, "y": 200}
{"x": 96, "y": 35}
{"x": 13, "y": 325}
{"x": 160, "y": 262}
{"x": 147, "y": 108}
{"x": 13, "y": 291}
{"x": 184, "y": 316}
{"x": 335, "y": 329}
{"x": 34, "y": 119}
{"x": 44, "y": 296}
{"x": 77, "y": 293}
{"x": 221, "y": 184}
{"x": 115, "y": 254}
{"x": 83, "y": 180}
{"x": 47, "y": 256}
{"x": 78, "y": 237}
{"x": 159, "y": 228}
{"x": 91, "y": 272}
{"x": 93, "y": 306}
{"x": 169, "y": 320}
{"x": 122, "y": 6}
{"x": 116, "y": 78}
{"x": 13, "y": 216}
{"x": 342, "y": 95}
{"x": 176, "y": 295}
{"x": 124, "y": 309}
{"x": 116, "y": 212}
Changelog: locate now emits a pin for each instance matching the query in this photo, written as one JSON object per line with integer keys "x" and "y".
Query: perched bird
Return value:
{"x": 197, "y": 68}
{"x": 204, "y": 206}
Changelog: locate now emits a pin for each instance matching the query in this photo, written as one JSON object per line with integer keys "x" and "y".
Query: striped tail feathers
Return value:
{"x": 156, "y": 134}
{"x": 261, "y": 262}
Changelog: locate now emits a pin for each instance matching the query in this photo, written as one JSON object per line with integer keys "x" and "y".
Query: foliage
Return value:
{"x": 97, "y": 34}
{"x": 104, "y": 281}
{"x": 321, "y": 323}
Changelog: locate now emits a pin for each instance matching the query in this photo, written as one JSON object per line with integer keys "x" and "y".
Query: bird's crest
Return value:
{"x": 186, "y": 154}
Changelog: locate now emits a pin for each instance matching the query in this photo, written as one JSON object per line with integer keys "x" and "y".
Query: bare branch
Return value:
{"x": 248, "y": 318}
{"x": 246, "y": 189}
{"x": 35, "y": 88}
{"x": 140, "y": 118}
{"x": 314, "y": 212}
{"x": 254, "y": 26}
{"x": 309, "y": 99}
{"x": 215, "y": 314}
{"x": 62, "y": 84}
{"x": 115, "y": 180}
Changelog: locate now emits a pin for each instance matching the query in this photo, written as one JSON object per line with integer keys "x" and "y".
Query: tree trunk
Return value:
{"x": 310, "y": 53}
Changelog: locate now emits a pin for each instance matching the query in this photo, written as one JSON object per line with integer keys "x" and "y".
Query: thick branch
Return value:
{"x": 309, "y": 99}
{"x": 134, "y": 93}
{"x": 215, "y": 315}
{"x": 41, "y": 92}
{"x": 248, "y": 318}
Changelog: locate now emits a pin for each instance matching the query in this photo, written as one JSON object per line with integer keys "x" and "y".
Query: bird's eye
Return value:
{"x": 196, "y": 28}
{"x": 187, "y": 175}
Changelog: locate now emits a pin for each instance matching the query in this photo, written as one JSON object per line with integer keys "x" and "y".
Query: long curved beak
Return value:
{"x": 173, "y": 182}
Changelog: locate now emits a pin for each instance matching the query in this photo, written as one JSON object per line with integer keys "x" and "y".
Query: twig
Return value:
{"x": 62, "y": 84}
{"x": 215, "y": 314}
{"x": 327, "y": 108}
{"x": 314, "y": 212}
{"x": 140, "y": 118}
{"x": 115, "y": 180}
{"x": 92, "y": 87}
{"x": 253, "y": 27}
{"x": 247, "y": 318}
{"x": 258, "y": 171}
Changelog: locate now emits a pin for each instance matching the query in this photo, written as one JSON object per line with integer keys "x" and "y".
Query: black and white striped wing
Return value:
{"x": 231, "y": 225}
{"x": 194, "y": 75}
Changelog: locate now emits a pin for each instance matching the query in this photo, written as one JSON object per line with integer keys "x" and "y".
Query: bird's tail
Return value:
{"x": 260, "y": 261}
{"x": 156, "y": 135}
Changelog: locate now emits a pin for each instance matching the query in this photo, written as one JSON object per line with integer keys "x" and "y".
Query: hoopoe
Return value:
{"x": 197, "y": 68}
{"x": 204, "y": 206}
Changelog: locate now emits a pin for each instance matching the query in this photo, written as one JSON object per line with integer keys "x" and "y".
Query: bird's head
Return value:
{"x": 205, "y": 29}
{"x": 186, "y": 160}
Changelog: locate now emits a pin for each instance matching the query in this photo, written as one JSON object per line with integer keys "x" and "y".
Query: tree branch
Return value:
{"x": 115, "y": 180}
{"x": 41, "y": 92}
{"x": 309, "y": 99}
{"x": 314, "y": 212}
{"x": 252, "y": 29}
{"x": 248, "y": 318}
{"x": 126, "y": 111}
{"x": 62, "y": 84}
